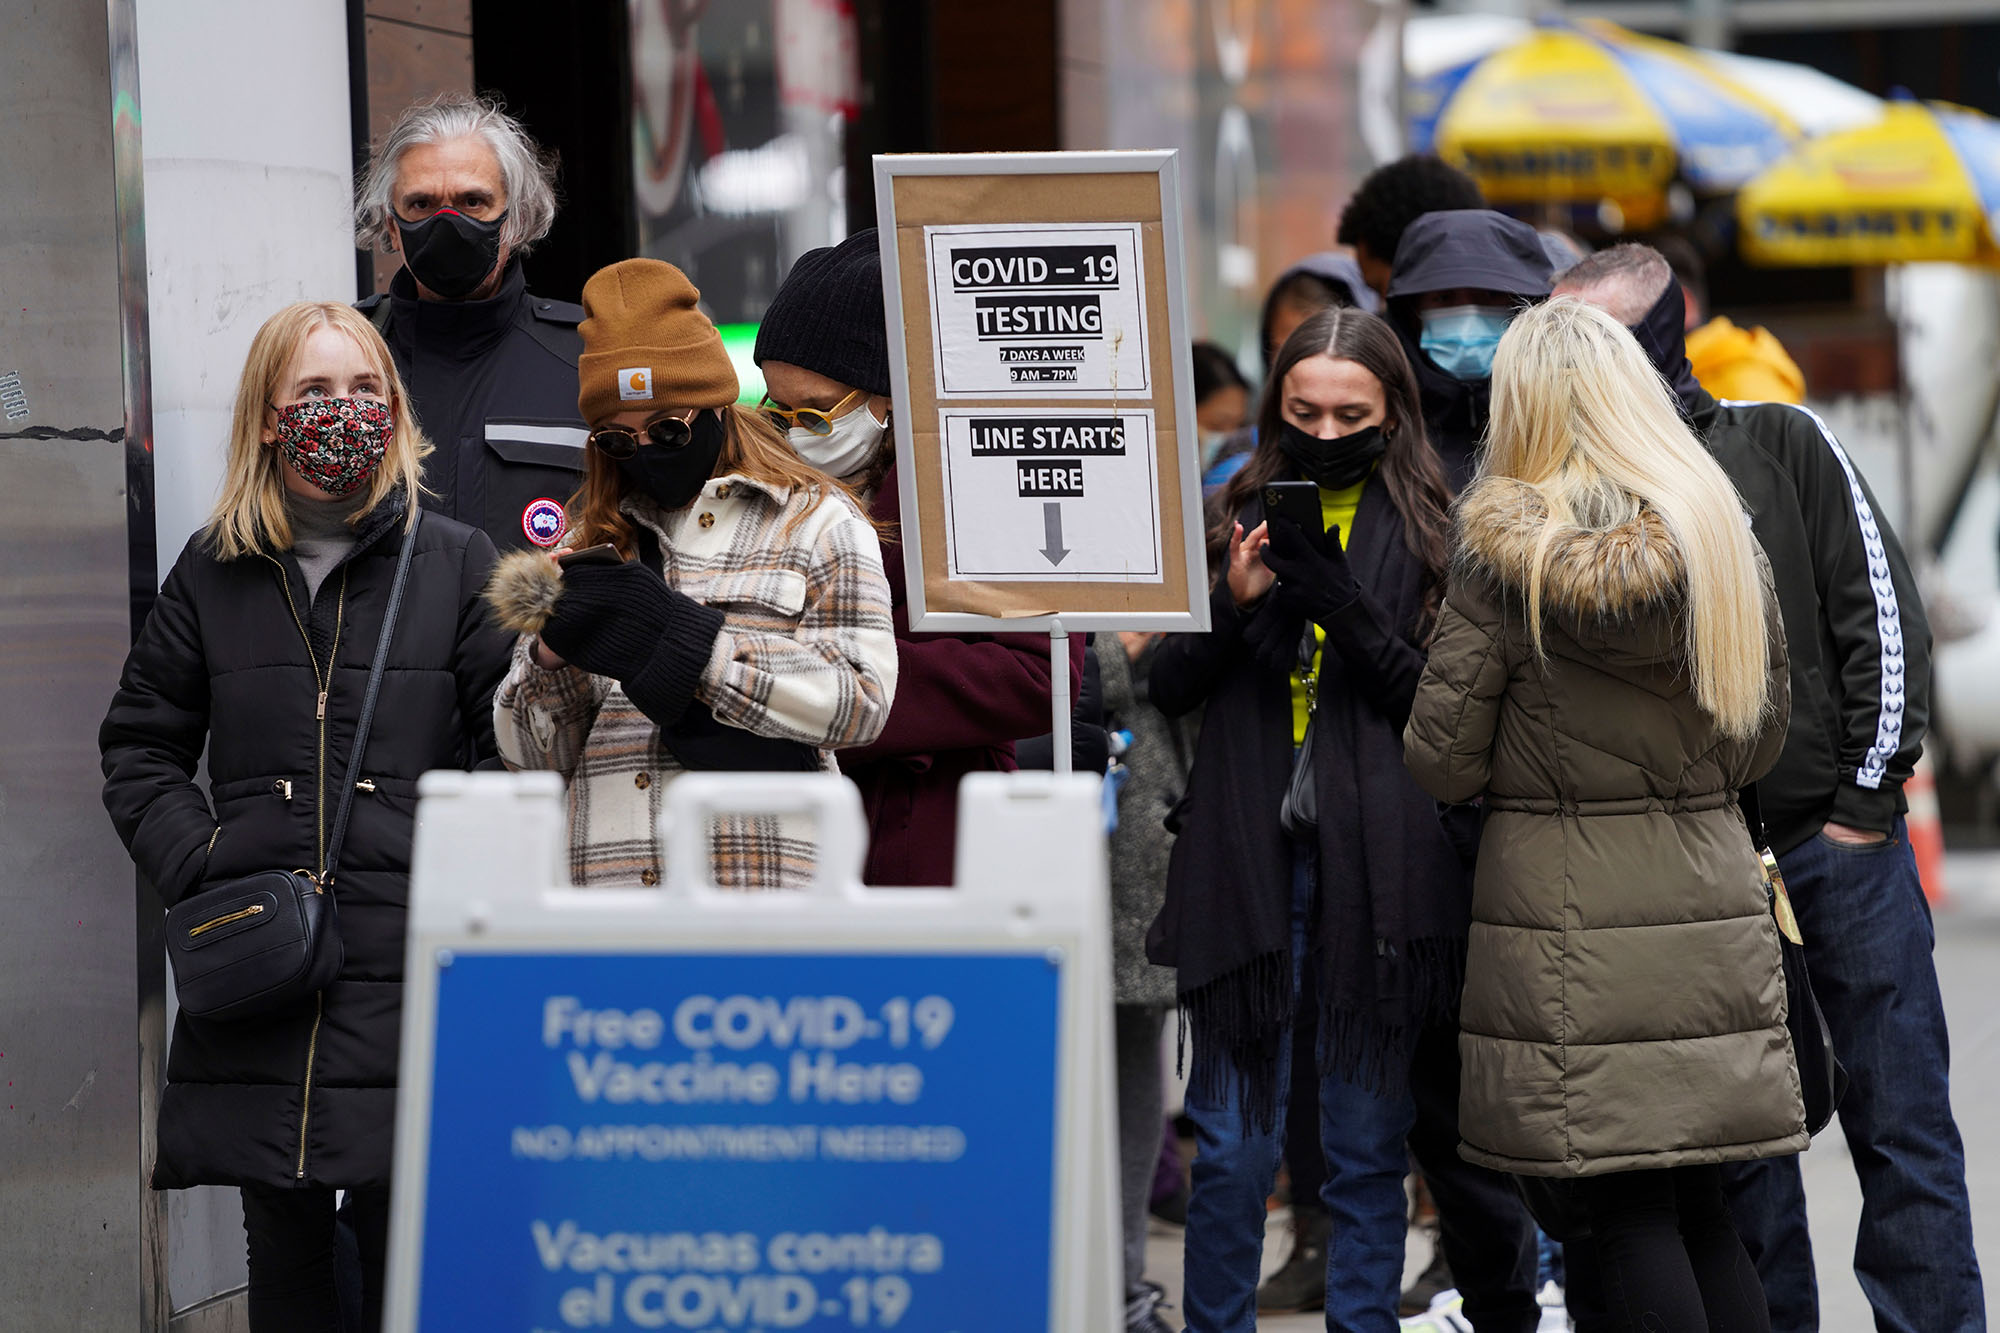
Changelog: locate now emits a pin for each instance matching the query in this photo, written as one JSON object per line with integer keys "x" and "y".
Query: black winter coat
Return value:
{"x": 493, "y": 384}
{"x": 306, "y": 1096}
{"x": 1855, "y": 630}
{"x": 1395, "y": 892}
{"x": 1858, "y": 640}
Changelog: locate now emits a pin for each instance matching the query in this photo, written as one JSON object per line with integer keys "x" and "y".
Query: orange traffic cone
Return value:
{"x": 1926, "y": 830}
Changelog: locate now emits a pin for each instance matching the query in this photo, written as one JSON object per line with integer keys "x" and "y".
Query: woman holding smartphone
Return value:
{"x": 1358, "y": 908}
{"x": 741, "y": 620}
{"x": 258, "y": 651}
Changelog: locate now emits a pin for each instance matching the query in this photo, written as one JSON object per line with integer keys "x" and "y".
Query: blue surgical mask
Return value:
{"x": 1460, "y": 339}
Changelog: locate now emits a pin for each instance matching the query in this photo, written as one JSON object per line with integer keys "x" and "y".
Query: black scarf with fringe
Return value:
{"x": 1388, "y": 928}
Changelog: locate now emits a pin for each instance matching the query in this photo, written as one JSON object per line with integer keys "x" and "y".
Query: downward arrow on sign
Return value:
{"x": 1052, "y": 530}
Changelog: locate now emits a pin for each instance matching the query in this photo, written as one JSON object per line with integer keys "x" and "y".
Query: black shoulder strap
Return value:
{"x": 377, "y": 309}
{"x": 375, "y": 670}
{"x": 1753, "y": 814}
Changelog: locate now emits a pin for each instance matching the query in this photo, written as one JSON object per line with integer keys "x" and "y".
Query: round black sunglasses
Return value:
{"x": 620, "y": 442}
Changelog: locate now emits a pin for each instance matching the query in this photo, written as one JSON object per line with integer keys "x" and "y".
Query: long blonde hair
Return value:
{"x": 250, "y": 518}
{"x": 1582, "y": 418}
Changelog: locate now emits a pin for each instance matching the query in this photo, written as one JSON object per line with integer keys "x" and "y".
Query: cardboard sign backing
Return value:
{"x": 1049, "y": 467}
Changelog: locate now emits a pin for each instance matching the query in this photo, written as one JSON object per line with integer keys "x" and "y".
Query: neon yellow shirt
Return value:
{"x": 1336, "y": 510}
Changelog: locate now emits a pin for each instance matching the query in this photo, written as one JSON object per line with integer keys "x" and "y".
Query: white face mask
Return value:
{"x": 846, "y": 449}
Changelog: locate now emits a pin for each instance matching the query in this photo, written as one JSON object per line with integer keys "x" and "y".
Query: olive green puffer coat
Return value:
{"x": 1624, "y": 999}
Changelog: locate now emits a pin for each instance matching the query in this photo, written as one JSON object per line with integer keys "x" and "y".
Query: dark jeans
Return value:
{"x": 291, "y": 1240}
{"x": 1141, "y": 1111}
{"x": 1362, "y": 1139}
{"x": 1488, "y": 1238}
{"x": 1662, "y": 1257}
{"x": 1868, "y": 943}
{"x": 1304, "y": 1162}
{"x": 1365, "y": 1141}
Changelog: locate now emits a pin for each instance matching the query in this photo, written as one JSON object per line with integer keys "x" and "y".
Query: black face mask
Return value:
{"x": 1337, "y": 463}
{"x": 1662, "y": 335}
{"x": 672, "y": 477}
{"x": 450, "y": 253}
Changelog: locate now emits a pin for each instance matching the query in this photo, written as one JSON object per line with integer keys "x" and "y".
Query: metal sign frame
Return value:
{"x": 490, "y": 878}
{"x": 1177, "y": 397}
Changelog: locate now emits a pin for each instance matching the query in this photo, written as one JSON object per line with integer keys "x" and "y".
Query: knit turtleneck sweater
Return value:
{"x": 321, "y": 535}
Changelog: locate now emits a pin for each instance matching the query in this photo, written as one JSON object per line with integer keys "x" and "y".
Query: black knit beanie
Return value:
{"x": 827, "y": 317}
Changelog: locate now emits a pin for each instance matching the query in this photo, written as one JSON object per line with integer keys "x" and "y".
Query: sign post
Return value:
{"x": 697, "y": 1109}
{"x": 1044, "y": 397}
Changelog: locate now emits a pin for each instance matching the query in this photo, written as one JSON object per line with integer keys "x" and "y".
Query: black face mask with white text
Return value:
{"x": 672, "y": 477}
{"x": 1335, "y": 464}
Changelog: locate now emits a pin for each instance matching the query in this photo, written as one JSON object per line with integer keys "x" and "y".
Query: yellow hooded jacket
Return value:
{"x": 1746, "y": 364}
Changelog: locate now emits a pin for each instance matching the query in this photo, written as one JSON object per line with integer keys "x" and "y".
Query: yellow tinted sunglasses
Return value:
{"x": 805, "y": 418}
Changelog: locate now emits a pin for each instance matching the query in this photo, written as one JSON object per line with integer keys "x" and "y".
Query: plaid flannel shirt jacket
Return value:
{"x": 807, "y": 653}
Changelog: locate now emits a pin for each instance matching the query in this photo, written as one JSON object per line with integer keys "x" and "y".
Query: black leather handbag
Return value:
{"x": 1822, "y": 1078}
{"x": 257, "y": 943}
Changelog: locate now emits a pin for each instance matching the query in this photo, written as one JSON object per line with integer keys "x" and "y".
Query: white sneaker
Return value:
{"x": 1555, "y": 1317}
{"x": 1446, "y": 1315}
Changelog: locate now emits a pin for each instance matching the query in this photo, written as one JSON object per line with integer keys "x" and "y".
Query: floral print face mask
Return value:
{"x": 335, "y": 443}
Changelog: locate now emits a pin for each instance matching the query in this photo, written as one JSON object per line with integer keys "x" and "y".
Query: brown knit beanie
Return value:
{"x": 646, "y": 344}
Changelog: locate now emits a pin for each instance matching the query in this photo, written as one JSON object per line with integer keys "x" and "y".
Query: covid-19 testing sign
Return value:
{"x": 1043, "y": 382}
{"x": 1020, "y": 310}
{"x": 730, "y": 1113}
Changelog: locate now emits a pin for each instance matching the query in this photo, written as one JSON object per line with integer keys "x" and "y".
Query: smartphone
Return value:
{"x": 604, "y": 553}
{"x": 1297, "y": 501}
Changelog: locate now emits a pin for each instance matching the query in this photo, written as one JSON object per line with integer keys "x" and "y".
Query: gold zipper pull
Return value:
{"x": 255, "y": 909}
{"x": 319, "y": 713}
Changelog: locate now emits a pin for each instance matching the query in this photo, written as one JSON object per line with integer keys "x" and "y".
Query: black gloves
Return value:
{"x": 1273, "y": 635}
{"x": 700, "y": 743}
{"x": 1312, "y": 583}
{"x": 624, "y": 622}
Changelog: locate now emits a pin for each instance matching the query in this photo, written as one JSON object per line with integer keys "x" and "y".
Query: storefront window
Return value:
{"x": 739, "y": 116}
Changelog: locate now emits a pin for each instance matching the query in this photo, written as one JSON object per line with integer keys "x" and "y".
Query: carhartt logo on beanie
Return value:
{"x": 645, "y": 341}
{"x": 827, "y": 316}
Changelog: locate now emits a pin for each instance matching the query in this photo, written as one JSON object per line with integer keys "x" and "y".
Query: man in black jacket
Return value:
{"x": 460, "y": 191}
{"x": 1860, "y": 669}
{"x": 1460, "y": 277}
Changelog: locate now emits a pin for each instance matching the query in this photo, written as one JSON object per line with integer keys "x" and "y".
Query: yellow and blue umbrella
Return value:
{"x": 1920, "y": 185}
{"x": 1581, "y": 111}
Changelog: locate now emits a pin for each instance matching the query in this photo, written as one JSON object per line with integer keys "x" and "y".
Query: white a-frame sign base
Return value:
{"x": 721, "y": 1111}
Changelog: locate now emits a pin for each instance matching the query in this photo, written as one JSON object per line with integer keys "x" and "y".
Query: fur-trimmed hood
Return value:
{"x": 523, "y": 591}
{"x": 1593, "y": 579}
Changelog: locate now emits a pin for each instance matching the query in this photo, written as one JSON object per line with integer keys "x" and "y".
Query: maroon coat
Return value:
{"x": 962, "y": 700}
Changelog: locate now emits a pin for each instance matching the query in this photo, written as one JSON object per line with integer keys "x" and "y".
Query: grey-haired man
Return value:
{"x": 459, "y": 190}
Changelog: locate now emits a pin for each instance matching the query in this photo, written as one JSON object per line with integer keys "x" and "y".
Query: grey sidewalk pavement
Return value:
{"x": 1968, "y": 962}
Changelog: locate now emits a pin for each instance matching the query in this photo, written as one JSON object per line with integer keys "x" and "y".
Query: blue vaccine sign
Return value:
{"x": 730, "y": 1143}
